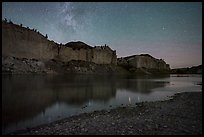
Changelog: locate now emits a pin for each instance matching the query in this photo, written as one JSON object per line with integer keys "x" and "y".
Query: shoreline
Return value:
{"x": 180, "y": 115}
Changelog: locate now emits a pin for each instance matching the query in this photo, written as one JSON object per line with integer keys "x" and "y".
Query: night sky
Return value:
{"x": 171, "y": 31}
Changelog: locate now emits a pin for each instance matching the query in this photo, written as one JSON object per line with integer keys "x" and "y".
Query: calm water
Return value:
{"x": 30, "y": 100}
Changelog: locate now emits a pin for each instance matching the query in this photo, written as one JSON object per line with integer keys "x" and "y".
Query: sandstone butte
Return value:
{"x": 26, "y": 50}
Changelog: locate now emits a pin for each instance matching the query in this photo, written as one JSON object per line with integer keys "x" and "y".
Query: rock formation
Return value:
{"x": 28, "y": 51}
{"x": 144, "y": 63}
{"x": 22, "y": 42}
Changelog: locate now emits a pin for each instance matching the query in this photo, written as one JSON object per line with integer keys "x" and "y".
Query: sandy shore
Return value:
{"x": 180, "y": 115}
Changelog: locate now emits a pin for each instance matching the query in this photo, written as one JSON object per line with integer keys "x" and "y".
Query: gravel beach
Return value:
{"x": 181, "y": 115}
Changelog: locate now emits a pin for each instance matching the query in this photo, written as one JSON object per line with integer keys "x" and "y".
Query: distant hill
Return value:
{"x": 192, "y": 70}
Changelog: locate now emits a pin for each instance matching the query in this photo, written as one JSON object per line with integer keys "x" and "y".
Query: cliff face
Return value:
{"x": 143, "y": 61}
{"x": 98, "y": 55}
{"x": 25, "y": 43}
{"x": 28, "y": 51}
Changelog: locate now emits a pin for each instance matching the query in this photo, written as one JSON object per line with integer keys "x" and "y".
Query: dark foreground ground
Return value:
{"x": 180, "y": 115}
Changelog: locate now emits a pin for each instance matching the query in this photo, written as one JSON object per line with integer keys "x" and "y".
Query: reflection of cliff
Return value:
{"x": 142, "y": 86}
{"x": 28, "y": 95}
{"x": 23, "y": 97}
{"x": 82, "y": 90}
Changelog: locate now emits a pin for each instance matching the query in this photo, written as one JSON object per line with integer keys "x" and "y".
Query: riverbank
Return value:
{"x": 180, "y": 115}
{"x": 14, "y": 65}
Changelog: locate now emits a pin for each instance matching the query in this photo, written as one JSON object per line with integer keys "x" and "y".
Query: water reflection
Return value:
{"x": 25, "y": 96}
{"x": 140, "y": 85}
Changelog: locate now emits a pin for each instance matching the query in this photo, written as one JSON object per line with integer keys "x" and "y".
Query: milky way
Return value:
{"x": 171, "y": 31}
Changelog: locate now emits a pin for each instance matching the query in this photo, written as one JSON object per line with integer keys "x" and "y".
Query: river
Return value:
{"x": 31, "y": 100}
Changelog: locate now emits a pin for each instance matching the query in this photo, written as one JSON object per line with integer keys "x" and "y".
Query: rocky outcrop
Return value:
{"x": 78, "y": 45}
{"x": 143, "y": 63}
{"x": 22, "y": 65}
{"x": 28, "y": 51}
{"x": 13, "y": 65}
{"x": 23, "y": 42}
